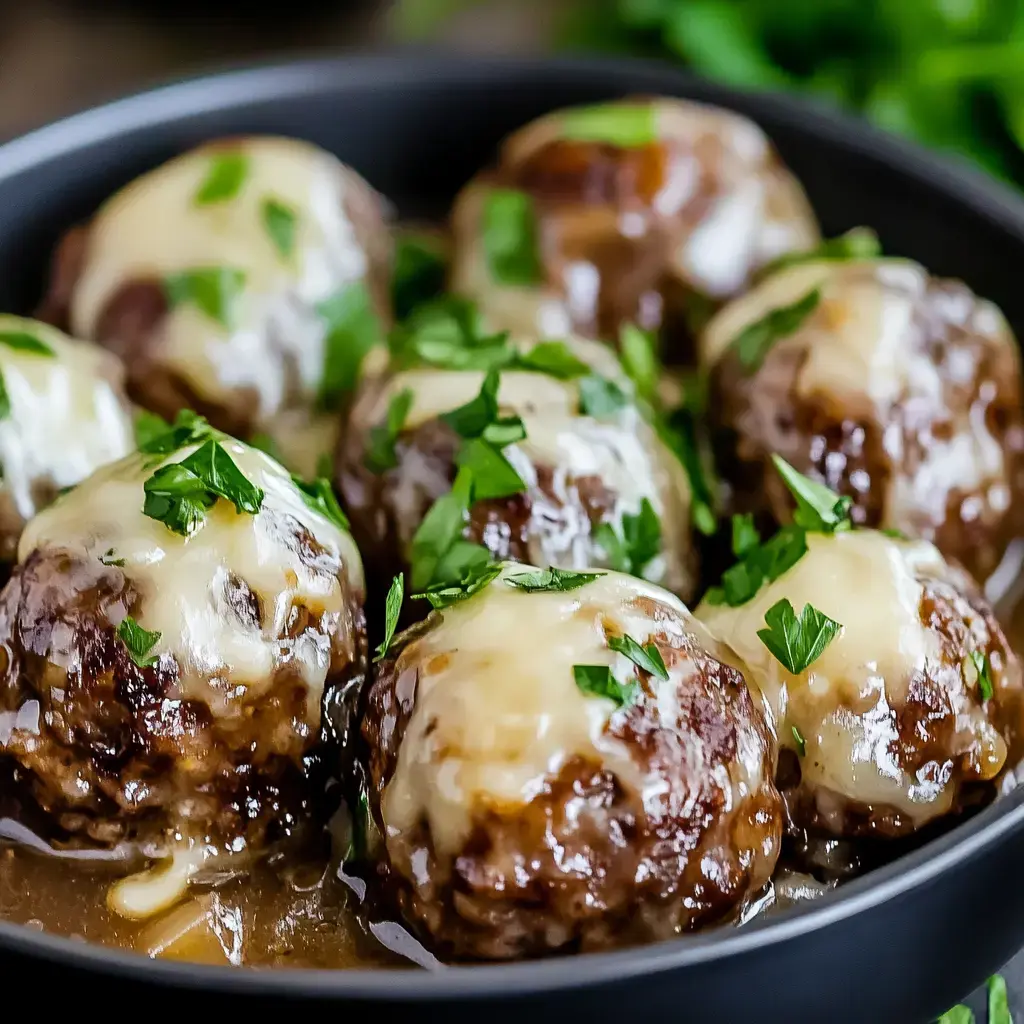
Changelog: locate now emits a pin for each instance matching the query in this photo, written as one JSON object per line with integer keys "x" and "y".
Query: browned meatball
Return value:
{"x": 895, "y": 388}
{"x": 244, "y": 280}
{"x": 537, "y": 792}
{"x": 645, "y": 211}
{"x": 165, "y": 690}
{"x": 589, "y": 487}
{"x": 909, "y": 713}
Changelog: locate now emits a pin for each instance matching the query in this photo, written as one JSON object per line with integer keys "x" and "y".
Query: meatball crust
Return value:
{"x": 521, "y": 816}
{"x": 66, "y": 415}
{"x": 243, "y": 301}
{"x": 899, "y": 390}
{"x": 582, "y": 473}
{"x": 893, "y": 726}
{"x": 201, "y": 736}
{"x": 649, "y": 229}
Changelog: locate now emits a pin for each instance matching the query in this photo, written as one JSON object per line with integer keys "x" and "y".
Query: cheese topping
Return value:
{"x": 68, "y": 414}
{"x": 842, "y": 704}
{"x": 186, "y": 585}
{"x": 497, "y": 709}
{"x": 273, "y": 354}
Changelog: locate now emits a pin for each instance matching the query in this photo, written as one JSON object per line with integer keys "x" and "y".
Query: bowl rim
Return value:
{"x": 238, "y": 86}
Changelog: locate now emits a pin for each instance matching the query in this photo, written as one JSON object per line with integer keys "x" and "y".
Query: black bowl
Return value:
{"x": 899, "y": 945}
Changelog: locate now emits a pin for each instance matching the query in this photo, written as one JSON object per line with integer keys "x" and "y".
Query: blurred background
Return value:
{"x": 949, "y": 73}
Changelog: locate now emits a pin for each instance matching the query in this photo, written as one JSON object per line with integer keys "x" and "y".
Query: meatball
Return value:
{"x": 908, "y": 714}
{"x": 897, "y": 389}
{"x": 645, "y": 211}
{"x": 590, "y": 482}
{"x": 166, "y": 655}
{"x": 539, "y": 792}
{"x": 244, "y": 279}
{"x": 63, "y": 413}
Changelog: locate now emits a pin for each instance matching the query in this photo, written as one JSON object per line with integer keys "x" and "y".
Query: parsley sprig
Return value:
{"x": 797, "y": 641}
{"x": 138, "y": 641}
{"x": 638, "y": 543}
{"x": 473, "y": 580}
{"x": 980, "y": 671}
{"x": 755, "y": 341}
{"x": 551, "y": 580}
{"x": 598, "y": 681}
{"x": 857, "y": 244}
{"x": 392, "y": 610}
{"x": 510, "y": 236}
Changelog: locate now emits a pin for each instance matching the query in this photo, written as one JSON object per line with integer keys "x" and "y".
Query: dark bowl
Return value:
{"x": 901, "y": 944}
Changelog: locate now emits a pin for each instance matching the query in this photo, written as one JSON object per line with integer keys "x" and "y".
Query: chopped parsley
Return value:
{"x": 439, "y": 530}
{"x": 380, "y": 452}
{"x": 745, "y": 537}
{"x": 626, "y": 125}
{"x": 762, "y": 564}
{"x": 959, "y": 1014}
{"x": 639, "y": 542}
{"x": 139, "y": 642}
{"x": 109, "y": 557}
{"x": 392, "y": 609}
{"x": 224, "y": 179}
{"x": 982, "y": 671}
{"x": 214, "y": 291}
{"x": 798, "y": 739}
{"x": 598, "y": 681}
{"x": 473, "y": 580}
{"x": 471, "y": 419}
{"x": 148, "y": 427}
{"x": 648, "y": 657}
{"x": 493, "y": 475}
{"x": 280, "y": 222}
{"x": 640, "y": 360}
{"x": 5, "y": 399}
{"x": 553, "y": 358}
{"x": 857, "y": 244}
{"x": 797, "y": 641}
{"x": 510, "y": 237}
{"x": 157, "y": 437}
{"x": 600, "y": 397}
{"x": 180, "y": 494}
{"x": 818, "y": 509}
{"x": 352, "y": 329}
{"x": 449, "y": 334}
{"x": 24, "y": 341}
{"x": 998, "y": 1003}
{"x": 551, "y": 580}
{"x": 679, "y": 433}
{"x": 753, "y": 343}
{"x": 319, "y": 496}
{"x": 419, "y": 274}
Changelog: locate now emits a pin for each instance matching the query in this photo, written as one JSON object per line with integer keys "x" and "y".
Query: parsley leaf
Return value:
{"x": 419, "y": 273}
{"x": 148, "y": 427}
{"x": 998, "y": 1003}
{"x": 214, "y": 291}
{"x": 679, "y": 434}
{"x": 380, "y": 452}
{"x": 23, "y": 341}
{"x": 462, "y": 558}
{"x": 443, "y": 595}
{"x": 510, "y": 237}
{"x": 857, "y": 244}
{"x": 798, "y": 739}
{"x": 471, "y": 419}
{"x": 504, "y": 432}
{"x": 797, "y": 642}
{"x": 157, "y": 437}
{"x": 553, "y": 358}
{"x": 439, "y": 530}
{"x": 224, "y": 179}
{"x": 959, "y": 1014}
{"x": 637, "y": 545}
{"x": 109, "y": 557}
{"x": 352, "y": 329}
{"x": 493, "y": 475}
{"x": 626, "y": 125}
{"x": 753, "y": 343}
{"x": 392, "y": 609}
{"x": 139, "y": 642}
{"x": 640, "y": 360}
{"x": 551, "y": 580}
{"x": 982, "y": 670}
{"x": 761, "y": 564}
{"x": 600, "y": 397}
{"x": 215, "y": 467}
{"x": 598, "y": 681}
{"x": 647, "y": 657}
{"x": 5, "y": 399}
{"x": 280, "y": 222}
{"x": 319, "y": 496}
{"x": 448, "y": 333}
{"x": 818, "y": 509}
{"x": 745, "y": 537}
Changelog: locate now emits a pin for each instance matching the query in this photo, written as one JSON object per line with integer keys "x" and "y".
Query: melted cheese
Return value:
{"x": 68, "y": 414}
{"x": 184, "y": 583}
{"x": 153, "y": 228}
{"x": 497, "y": 710}
{"x": 842, "y": 704}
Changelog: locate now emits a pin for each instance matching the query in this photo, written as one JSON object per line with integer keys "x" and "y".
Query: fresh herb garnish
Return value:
{"x": 857, "y": 244}
{"x": 448, "y": 333}
{"x": 640, "y": 361}
{"x": 753, "y": 343}
{"x": 109, "y": 557}
{"x": 266, "y": 444}
{"x": 600, "y": 397}
{"x": 637, "y": 545}
{"x": 958, "y": 1014}
{"x": 23, "y": 341}
{"x": 5, "y": 399}
{"x": 471, "y": 419}
{"x": 352, "y": 329}
{"x": 493, "y": 475}
{"x": 148, "y": 427}
{"x": 510, "y": 237}
{"x": 626, "y": 125}
{"x": 180, "y": 494}
{"x": 745, "y": 537}
{"x": 598, "y": 681}
{"x": 214, "y": 291}
{"x": 280, "y": 222}
{"x": 551, "y": 580}
{"x": 762, "y": 564}
{"x": 156, "y": 436}
{"x": 983, "y": 672}
{"x": 392, "y": 609}
{"x": 139, "y": 642}
{"x": 797, "y": 641}
{"x": 224, "y": 179}
{"x": 380, "y": 452}
{"x": 679, "y": 433}
{"x": 319, "y": 496}
{"x": 647, "y": 657}
{"x": 419, "y": 273}
{"x": 818, "y": 509}
{"x": 798, "y": 739}
{"x": 553, "y": 358}
{"x": 440, "y": 529}
{"x": 998, "y": 1002}
{"x": 443, "y": 595}
{"x": 893, "y": 533}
